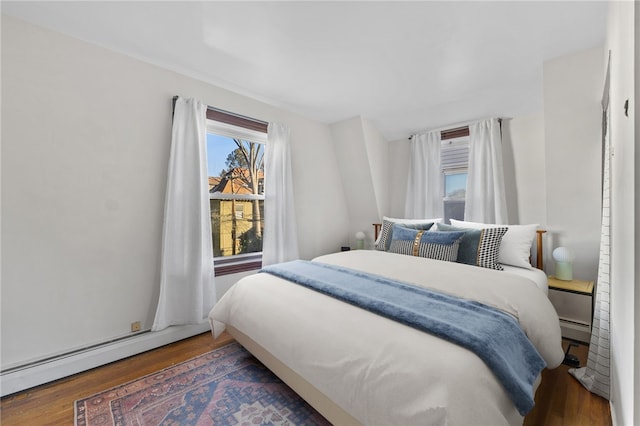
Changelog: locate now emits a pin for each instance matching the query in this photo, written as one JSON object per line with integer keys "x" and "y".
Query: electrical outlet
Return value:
{"x": 135, "y": 326}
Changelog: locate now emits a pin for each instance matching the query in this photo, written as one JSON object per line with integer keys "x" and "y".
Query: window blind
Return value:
{"x": 454, "y": 154}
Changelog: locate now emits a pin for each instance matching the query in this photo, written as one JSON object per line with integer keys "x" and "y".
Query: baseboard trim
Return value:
{"x": 20, "y": 379}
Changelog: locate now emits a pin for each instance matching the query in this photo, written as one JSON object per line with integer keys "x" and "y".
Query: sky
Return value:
{"x": 455, "y": 182}
{"x": 218, "y": 147}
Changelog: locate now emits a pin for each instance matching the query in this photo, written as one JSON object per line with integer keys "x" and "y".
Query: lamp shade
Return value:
{"x": 563, "y": 257}
{"x": 562, "y": 254}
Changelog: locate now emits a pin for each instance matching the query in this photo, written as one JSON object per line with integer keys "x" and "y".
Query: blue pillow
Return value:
{"x": 429, "y": 244}
{"x": 386, "y": 234}
{"x": 478, "y": 247}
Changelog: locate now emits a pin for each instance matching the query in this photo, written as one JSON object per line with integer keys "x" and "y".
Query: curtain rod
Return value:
{"x": 243, "y": 117}
{"x": 452, "y": 127}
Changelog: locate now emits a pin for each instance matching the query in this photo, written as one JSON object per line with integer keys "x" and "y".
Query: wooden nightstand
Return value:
{"x": 573, "y": 301}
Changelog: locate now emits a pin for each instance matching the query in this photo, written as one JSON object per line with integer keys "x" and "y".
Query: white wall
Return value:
{"x": 362, "y": 158}
{"x": 378, "y": 152}
{"x": 625, "y": 214}
{"x": 573, "y": 134}
{"x": 85, "y": 145}
{"x": 525, "y": 171}
{"x": 399, "y": 152}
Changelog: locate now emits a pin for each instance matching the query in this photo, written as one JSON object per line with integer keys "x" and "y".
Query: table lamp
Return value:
{"x": 360, "y": 240}
{"x": 564, "y": 268}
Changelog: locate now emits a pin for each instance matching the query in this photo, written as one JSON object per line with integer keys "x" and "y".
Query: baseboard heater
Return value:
{"x": 44, "y": 371}
{"x": 575, "y": 330}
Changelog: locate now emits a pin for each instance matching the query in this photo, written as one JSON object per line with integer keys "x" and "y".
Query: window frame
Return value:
{"x": 231, "y": 125}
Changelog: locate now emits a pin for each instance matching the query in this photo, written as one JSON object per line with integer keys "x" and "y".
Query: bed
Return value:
{"x": 358, "y": 367}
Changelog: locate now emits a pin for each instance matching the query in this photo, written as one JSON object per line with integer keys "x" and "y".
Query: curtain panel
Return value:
{"x": 485, "y": 200}
{"x": 596, "y": 376}
{"x": 280, "y": 241}
{"x": 187, "y": 290}
{"x": 424, "y": 184}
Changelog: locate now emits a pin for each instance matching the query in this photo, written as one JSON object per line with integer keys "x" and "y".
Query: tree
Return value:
{"x": 250, "y": 242}
{"x": 244, "y": 165}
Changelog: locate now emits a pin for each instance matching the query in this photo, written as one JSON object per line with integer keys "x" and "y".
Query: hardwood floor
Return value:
{"x": 560, "y": 399}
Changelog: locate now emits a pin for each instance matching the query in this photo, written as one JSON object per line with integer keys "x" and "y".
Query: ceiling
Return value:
{"x": 406, "y": 66}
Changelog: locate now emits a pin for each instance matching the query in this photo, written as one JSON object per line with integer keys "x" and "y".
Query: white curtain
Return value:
{"x": 187, "y": 291}
{"x": 485, "y": 201}
{"x": 596, "y": 375}
{"x": 424, "y": 185}
{"x": 280, "y": 243}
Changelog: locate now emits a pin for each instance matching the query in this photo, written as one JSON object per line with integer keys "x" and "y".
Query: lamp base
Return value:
{"x": 564, "y": 271}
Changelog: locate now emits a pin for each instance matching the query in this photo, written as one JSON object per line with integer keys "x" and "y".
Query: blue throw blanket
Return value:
{"x": 493, "y": 335}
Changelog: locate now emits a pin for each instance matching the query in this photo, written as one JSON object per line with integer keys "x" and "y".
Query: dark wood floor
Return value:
{"x": 560, "y": 399}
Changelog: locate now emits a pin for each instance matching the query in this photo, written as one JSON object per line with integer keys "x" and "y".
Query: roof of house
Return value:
{"x": 233, "y": 182}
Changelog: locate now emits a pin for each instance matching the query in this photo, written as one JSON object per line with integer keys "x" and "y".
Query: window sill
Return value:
{"x": 236, "y": 264}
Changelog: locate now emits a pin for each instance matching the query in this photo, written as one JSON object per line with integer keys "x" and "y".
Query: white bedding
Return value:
{"x": 382, "y": 372}
{"x": 536, "y": 275}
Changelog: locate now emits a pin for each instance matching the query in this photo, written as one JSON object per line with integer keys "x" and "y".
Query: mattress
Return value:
{"x": 375, "y": 369}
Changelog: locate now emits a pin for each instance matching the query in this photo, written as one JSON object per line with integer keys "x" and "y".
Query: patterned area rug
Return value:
{"x": 227, "y": 386}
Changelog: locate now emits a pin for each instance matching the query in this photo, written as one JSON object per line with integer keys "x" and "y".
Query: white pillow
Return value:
{"x": 401, "y": 221}
{"x": 515, "y": 247}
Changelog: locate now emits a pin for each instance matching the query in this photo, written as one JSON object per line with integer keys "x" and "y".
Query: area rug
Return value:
{"x": 227, "y": 386}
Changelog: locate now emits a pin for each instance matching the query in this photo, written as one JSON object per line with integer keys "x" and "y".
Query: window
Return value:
{"x": 240, "y": 211}
{"x": 454, "y": 156}
{"x": 235, "y": 156}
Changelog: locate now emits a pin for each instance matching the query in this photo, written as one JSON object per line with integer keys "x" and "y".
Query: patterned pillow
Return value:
{"x": 384, "y": 240}
{"x": 478, "y": 247}
{"x": 429, "y": 244}
{"x": 515, "y": 247}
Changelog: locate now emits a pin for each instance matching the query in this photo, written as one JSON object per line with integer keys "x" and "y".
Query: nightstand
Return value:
{"x": 573, "y": 301}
